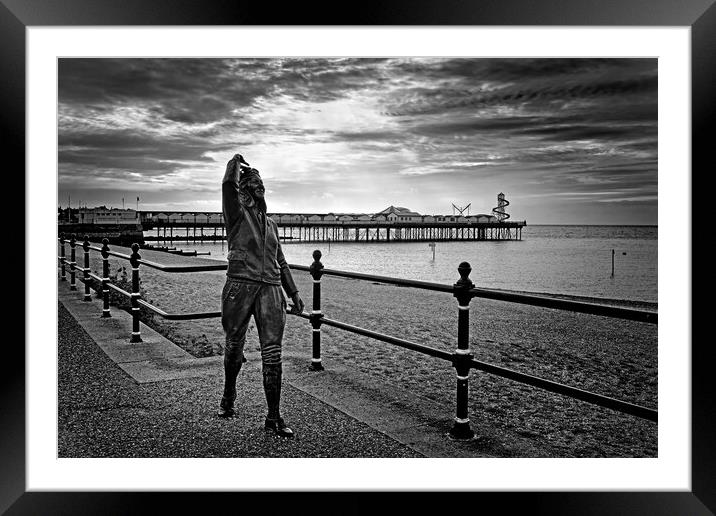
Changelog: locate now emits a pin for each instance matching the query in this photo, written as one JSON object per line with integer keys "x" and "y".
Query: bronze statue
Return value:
{"x": 257, "y": 270}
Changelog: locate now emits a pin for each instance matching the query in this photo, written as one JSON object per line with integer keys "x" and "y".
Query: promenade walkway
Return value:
{"x": 152, "y": 399}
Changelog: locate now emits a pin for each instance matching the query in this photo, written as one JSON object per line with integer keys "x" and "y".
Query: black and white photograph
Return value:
{"x": 353, "y": 257}
{"x": 422, "y": 249}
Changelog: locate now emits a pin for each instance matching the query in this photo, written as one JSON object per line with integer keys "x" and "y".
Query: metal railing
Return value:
{"x": 463, "y": 290}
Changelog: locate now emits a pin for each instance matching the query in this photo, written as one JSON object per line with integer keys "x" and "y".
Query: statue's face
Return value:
{"x": 256, "y": 188}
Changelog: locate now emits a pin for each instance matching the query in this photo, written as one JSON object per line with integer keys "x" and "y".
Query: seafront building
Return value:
{"x": 108, "y": 216}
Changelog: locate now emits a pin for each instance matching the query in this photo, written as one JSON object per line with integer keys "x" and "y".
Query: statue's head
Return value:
{"x": 250, "y": 181}
{"x": 251, "y": 187}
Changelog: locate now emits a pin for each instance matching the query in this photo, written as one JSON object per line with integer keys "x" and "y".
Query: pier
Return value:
{"x": 209, "y": 226}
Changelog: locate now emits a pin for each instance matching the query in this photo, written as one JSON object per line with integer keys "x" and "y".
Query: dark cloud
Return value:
{"x": 523, "y": 69}
{"x": 588, "y": 132}
{"x": 438, "y": 101}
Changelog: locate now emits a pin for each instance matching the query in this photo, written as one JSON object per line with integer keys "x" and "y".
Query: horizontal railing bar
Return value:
{"x": 168, "y": 268}
{"x": 389, "y": 339}
{"x": 111, "y": 253}
{"x": 568, "y": 305}
{"x": 178, "y": 317}
{"x": 118, "y": 290}
{"x": 618, "y": 312}
{"x": 94, "y": 276}
{"x": 572, "y": 392}
{"x": 425, "y": 285}
{"x": 184, "y": 268}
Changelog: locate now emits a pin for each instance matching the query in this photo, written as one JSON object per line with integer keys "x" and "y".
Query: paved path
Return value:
{"x": 152, "y": 399}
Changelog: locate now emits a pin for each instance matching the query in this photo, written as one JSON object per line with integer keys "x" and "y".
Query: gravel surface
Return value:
{"x": 608, "y": 356}
{"x": 104, "y": 413}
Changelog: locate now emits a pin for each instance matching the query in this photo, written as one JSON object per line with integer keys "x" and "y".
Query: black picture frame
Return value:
{"x": 699, "y": 15}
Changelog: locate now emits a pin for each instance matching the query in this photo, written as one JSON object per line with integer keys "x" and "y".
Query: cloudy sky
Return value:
{"x": 566, "y": 140}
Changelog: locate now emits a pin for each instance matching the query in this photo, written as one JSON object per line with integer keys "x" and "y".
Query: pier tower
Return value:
{"x": 499, "y": 210}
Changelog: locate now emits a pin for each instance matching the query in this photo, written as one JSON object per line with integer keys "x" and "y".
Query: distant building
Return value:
{"x": 399, "y": 214}
{"x": 482, "y": 218}
{"x": 110, "y": 216}
{"x": 201, "y": 218}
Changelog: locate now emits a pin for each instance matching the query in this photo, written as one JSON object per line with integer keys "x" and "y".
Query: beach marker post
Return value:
{"x": 73, "y": 243}
{"x": 461, "y": 358}
{"x": 316, "y": 270}
{"x": 62, "y": 256}
{"x": 612, "y": 263}
{"x": 86, "y": 269}
{"x": 105, "y": 278}
{"x": 134, "y": 261}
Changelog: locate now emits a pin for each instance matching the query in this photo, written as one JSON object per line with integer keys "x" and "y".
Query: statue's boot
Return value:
{"x": 272, "y": 388}
{"x": 231, "y": 371}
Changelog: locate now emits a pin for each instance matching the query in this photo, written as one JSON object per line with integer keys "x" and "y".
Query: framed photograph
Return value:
{"x": 580, "y": 122}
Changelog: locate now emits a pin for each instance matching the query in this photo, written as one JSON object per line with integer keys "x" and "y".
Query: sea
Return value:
{"x": 568, "y": 259}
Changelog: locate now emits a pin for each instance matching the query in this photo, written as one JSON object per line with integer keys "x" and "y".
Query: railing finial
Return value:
{"x": 134, "y": 259}
{"x": 465, "y": 282}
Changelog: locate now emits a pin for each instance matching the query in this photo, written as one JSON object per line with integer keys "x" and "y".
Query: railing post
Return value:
{"x": 86, "y": 270}
{"x": 62, "y": 256}
{"x": 134, "y": 260}
{"x": 73, "y": 243}
{"x": 105, "y": 278}
{"x": 316, "y": 270}
{"x": 462, "y": 356}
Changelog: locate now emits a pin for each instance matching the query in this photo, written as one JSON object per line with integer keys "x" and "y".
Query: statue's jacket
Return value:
{"x": 255, "y": 252}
